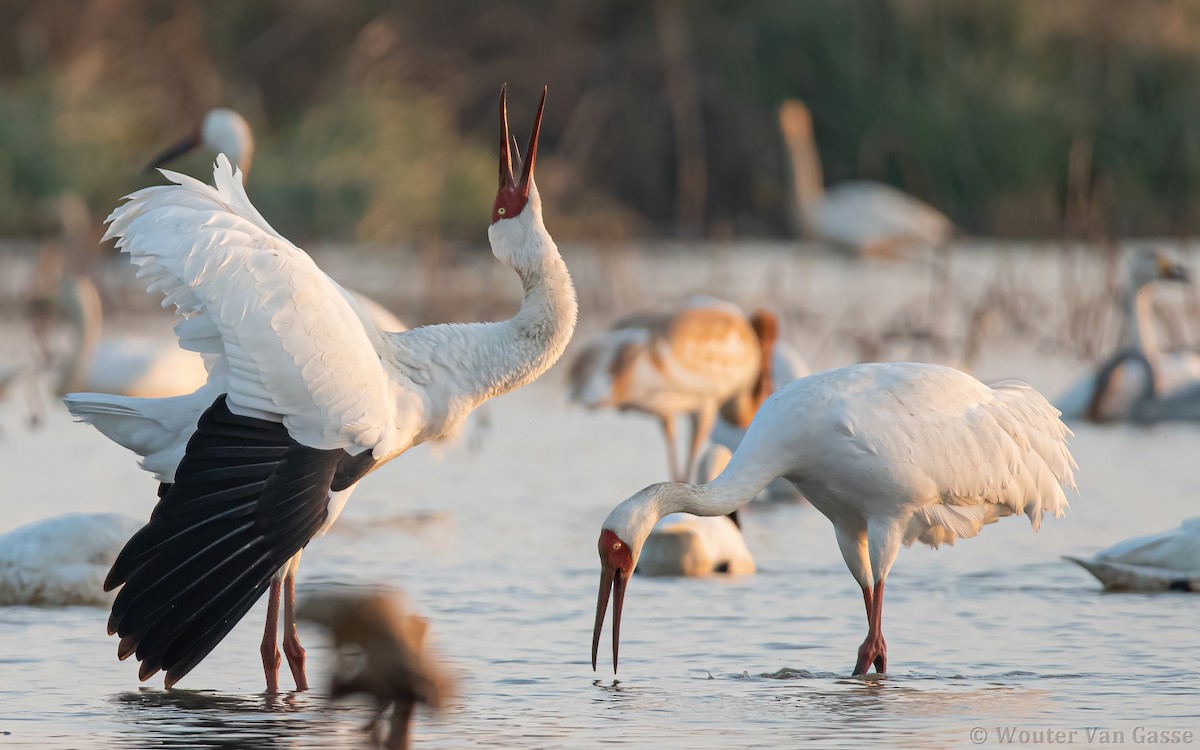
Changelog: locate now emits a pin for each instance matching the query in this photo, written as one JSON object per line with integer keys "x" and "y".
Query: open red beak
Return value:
{"x": 507, "y": 182}
{"x": 611, "y": 579}
{"x": 177, "y": 150}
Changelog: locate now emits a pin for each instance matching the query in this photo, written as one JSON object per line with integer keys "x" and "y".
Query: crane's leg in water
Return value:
{"x": 874, "y": 649}
{"x": 702, "y": 425}
{"x": 883, "y": 542}
{"x": 270, "y": 652}
{"x": 668, "y": 428}
{"x": 291, "y": 643}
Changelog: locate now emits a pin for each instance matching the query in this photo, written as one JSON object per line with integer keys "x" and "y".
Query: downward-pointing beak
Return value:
{"x": 611, "y": 579}
{"x": 177, "y": 150}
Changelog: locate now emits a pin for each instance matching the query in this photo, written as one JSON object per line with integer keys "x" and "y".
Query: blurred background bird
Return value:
{"x": 686, "y": 362}
{"x": 381, "y": 653}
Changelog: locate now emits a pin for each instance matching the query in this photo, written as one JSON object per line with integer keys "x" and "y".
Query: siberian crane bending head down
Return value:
{"x": 305, "y": 397}
{"x": 891, "y": 453}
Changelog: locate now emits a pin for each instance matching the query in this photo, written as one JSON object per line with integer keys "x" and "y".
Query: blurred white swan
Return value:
{"x": 62, "y": 560}
{"x": 1167, "y": 561}
{"x": 868, "y": 218}
{"x": 1113, "y": 390}
{"x": 139, "y": 366}
{"x": 682, "y": 544}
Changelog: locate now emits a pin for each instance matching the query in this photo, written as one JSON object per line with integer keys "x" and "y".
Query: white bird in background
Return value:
{"x": 146, "y": 366}
{"x": 891, "y": 453}
{"x": 305, "y": 397}
{"x": 682, "y": 544}
{"x": 62, "y": 561}
{"x": 142, "y": 366}
{"x": 1167, "y": 561}
{"x": 1113, "y": 390}
{"x": 222, "y": 131}
{"x": 868, "y": 218}
{"x": 690, "y": 361}
{"x": 126, "y": 365}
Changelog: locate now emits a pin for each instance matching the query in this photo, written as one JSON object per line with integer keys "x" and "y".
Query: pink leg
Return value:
{"x": 270, "y": 653}
{"x": 668, "y": 428}
{"x": 291, "y": 643}
{"x": 874, "y": 649}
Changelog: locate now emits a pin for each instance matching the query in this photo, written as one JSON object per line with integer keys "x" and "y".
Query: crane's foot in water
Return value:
{"x": 873, "y": 651}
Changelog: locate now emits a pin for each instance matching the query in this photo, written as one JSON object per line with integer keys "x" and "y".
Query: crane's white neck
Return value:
{"x": 1137, "y": 323}
{"x": 82, "y": 302}
{"x": 633, "y": 520}
{"x": 807, "y": 181}
{"x": 482, "y": 360}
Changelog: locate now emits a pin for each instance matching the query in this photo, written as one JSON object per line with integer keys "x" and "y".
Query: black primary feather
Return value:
{"x": 246, "y": 498}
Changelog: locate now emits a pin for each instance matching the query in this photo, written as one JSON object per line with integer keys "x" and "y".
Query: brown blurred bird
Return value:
{"x": 687, "y": 361}
{"x": 381, "y": 654}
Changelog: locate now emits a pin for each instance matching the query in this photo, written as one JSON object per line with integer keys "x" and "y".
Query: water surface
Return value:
{"x": 497, "y": 548}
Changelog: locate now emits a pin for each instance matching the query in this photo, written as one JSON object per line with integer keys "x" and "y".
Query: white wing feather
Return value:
{"x": 157, "y": 429}
{"x": 295, "y": 348}
{"x": 962, "y": 454}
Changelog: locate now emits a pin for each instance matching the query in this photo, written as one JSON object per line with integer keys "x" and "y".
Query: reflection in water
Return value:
{"x": 205, "y": 719}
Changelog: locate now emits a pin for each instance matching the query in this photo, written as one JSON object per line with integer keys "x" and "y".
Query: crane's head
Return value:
{"x": 1150, "y": 265}
{"x": 795, "y": 121}
{"x": 617, "y": 561}
{"x": 513, "y": 195}
{"x": 223, "y": 131}
{"x": 621, "y": 539}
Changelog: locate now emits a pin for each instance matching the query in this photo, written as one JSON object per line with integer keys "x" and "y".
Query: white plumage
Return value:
{"x": 62, "y": 561}
{"x": 864, "y": 217}
{"x": 305, "y": 396}
{"x": 1167, "y": 561}
{"x": 1142, "y": 371}
{"x": 141, "y": 366}
{"x": 892, "y": 454}
{"x": 786, "y": 365}
{"x": 150, "y": 367}
{"x": 683, "y": 544}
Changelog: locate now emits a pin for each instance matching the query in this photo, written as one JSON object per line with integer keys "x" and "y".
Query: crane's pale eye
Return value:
{"x": 500, "y": 210}
{"x": 617, "y": 545}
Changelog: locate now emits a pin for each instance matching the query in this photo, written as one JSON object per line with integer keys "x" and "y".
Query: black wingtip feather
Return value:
{"x": 246, "y": 498}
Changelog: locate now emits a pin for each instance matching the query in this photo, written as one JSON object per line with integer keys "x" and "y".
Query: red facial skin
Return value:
{"x": 616, "y": 566}
{"x": 508, "y": 204}
{"x": 513, "y": 194}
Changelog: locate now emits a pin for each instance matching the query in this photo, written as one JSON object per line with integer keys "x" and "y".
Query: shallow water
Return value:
{"x": 497, "y": 548}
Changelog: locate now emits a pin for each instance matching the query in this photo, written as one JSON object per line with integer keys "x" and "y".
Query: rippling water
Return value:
{"x": 497, "y": 548}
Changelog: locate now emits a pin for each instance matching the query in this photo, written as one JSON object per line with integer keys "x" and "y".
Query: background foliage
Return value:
{"x": 376, "y": 120}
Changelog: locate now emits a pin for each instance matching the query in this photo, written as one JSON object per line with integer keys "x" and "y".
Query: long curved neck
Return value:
{"x": 743, "y": 478}
{"x": 478, "y": 361}
{"x": 83, "y": 304}
{"x": 808, "y": 185}
{"x": 1137, "y": 323}
{"x": 526, "y": 345}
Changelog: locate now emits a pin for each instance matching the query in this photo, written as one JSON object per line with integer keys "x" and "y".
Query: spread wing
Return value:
{"x": 246, "y": 498}
{"x": 294, "y": 348}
